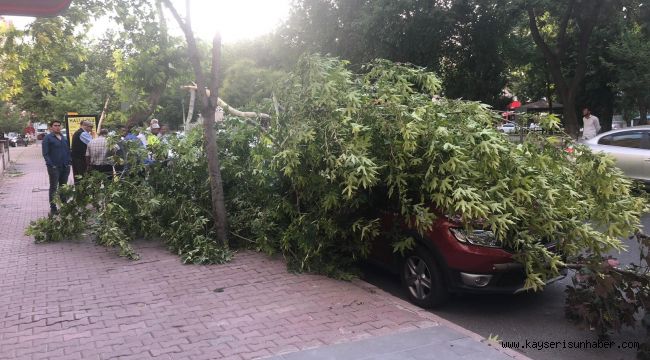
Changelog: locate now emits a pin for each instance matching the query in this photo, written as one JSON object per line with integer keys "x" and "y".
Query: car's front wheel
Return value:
{"x": 422, "y": 280}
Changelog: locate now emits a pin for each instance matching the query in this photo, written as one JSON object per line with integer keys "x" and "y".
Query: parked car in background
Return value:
{"x": 508, "y": 127}
{"x": 629, "y": 146}
{"x": 18, "y": 140}
{"x": 534, "y": 127}
{"x": 40, "y": 133}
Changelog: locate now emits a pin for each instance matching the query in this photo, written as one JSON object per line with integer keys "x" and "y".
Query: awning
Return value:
{"x": 540, "y": 105}
{"x": 33, "y": 7}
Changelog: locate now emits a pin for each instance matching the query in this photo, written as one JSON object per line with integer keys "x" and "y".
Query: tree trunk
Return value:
{"x": 567, "y": 88}
{"x": 570, "y": 119}
{"x": 190, "y": 109}
{"x": 214, "y": 165}
{"x": 208, "y": 106}
{"x": 605, "y": 118}
{"x": 154, "y": 99}
{"x": 607, "y": 111}
{"x": 643, "y": 113}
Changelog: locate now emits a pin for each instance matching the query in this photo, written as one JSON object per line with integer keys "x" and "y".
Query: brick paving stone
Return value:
{"x": 74, "y": 299}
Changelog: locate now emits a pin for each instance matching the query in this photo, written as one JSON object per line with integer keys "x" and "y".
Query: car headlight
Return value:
{"x": 476, "y": 237}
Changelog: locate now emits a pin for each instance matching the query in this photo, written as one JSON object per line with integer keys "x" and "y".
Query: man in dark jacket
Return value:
{"x": 56, "y": 153}
{"x": 80, "y": 141}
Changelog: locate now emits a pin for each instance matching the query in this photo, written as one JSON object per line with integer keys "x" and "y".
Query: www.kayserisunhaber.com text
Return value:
{"x": 566, "y": 344}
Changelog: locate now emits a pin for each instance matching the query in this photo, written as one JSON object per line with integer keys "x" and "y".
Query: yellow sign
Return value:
{"x": 73, "y": 123}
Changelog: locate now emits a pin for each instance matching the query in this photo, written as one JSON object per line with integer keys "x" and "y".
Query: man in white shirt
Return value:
{"x": 591, "y": 125}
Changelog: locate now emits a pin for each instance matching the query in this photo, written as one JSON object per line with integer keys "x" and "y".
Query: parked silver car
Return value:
{"x": 508, "y": 128}
{"x": 629, "y": 146}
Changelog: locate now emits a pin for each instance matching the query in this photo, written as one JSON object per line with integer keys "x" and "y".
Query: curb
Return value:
{"x": 407, "y": 306}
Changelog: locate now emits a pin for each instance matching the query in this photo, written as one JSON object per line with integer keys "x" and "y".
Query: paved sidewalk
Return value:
{"x": 76, "y": 300}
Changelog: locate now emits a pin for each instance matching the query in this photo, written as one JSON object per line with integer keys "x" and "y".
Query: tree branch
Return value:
{"x": 231, "y": 110}
{"x": 214, "y": 80}
{"x": 561, "y": 41}
{"x": 551, "y": 57}
{"x": 586, "y": 28}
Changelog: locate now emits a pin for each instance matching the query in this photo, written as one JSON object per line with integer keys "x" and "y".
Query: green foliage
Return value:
{"x": 462, "y": 40}
{"x": 244, "y": 83}
{"x": 35, "y": 58}
{"x": 144, "y": 202}
{"x": 606, "y": 296}
{"x": 78, "y": 95}
{"x": 346, "y": 143}
{"x": 631, "y": 65}
{"x": 10, "y": 119}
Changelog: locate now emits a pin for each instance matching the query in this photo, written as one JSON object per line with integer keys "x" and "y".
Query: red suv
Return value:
{"x": 449, "y": 260}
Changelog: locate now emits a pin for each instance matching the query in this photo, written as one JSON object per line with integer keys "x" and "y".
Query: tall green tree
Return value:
{"x": 463, "y": 40}
{"x": 148, "y": 57}
{"x": 10, "y": 119}
{"x": 557, "y": 27}
{"x": 45, "y": 52}
{"x": 474, "y": 63}
{"x": 244, "y": 83}
{"x": 632, "y": 65}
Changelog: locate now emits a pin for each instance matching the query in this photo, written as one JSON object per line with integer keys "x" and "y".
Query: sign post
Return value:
{"x": 73, "y": 123}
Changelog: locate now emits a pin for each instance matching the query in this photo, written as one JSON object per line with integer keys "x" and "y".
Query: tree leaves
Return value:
{"x": 392, "y": 145}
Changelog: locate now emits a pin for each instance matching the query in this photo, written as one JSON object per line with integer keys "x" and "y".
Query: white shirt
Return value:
{"x": 591, "y": 127}
{"x": 143, "y": 139}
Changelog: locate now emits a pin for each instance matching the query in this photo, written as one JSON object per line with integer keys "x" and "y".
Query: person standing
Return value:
{"x": 97, "y": 154}
{"x": 56, "y": 153}
{"x": 153, "y": 137}
{"x": 80, "y": 141}
{"x": 591, "y": 124}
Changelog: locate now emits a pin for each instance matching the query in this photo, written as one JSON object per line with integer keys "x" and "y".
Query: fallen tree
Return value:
{"x": 346, "y": 142}
{"x": 308, "y": 187}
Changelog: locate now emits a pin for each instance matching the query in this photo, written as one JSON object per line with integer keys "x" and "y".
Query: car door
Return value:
{"x": 631, "y": 149}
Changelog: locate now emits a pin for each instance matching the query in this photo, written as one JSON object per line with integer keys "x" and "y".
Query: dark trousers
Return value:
{"x": 78, "y": 167}
{"x": 105, "y": 169}
{"x": 58, "y": 176}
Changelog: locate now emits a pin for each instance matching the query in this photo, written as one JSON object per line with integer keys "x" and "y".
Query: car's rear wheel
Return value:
{"x": 422, "y": 280}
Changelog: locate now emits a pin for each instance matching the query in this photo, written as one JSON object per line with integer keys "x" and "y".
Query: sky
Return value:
{"x": 235, "y": 19}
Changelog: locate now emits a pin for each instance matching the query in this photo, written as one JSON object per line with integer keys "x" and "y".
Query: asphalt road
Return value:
{"x": 527, "y": 317}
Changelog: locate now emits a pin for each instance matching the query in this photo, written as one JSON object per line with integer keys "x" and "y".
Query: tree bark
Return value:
{"x": 190, "y": 109}
{"x": 643, "y": 113}
{"x": 566, "y": 88}
{"x": 208, "y": 106}
{"x": 154, "y": 99}
{"x": 104, "y": 110}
